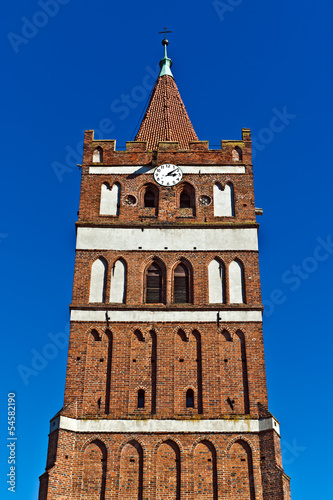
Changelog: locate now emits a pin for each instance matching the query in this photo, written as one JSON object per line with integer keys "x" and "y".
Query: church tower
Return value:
{"x": 165, "y": 394}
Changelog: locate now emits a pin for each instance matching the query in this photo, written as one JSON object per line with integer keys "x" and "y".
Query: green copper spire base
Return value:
{"x": 165, "y": 63}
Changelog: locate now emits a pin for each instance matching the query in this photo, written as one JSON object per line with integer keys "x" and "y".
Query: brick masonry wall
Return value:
{"x": 116, "y": 381}
{"x": 160, "y": 466}
{"x": 138, "y": 261}
{"x": 276, "y": 484}
{"x": 222, "y": 363}
{"x": 168, "y": 209}
{"x": 168, "y": 206}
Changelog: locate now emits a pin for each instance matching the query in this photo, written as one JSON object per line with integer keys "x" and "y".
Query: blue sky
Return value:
{"x": 237, "y": 64}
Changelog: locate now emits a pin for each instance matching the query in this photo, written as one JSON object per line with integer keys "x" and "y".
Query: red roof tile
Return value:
{"x": 166, "y": 118}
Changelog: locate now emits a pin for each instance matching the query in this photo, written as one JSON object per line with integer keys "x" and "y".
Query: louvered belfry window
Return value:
{"x": 154, "y": 285}
{"x": 185, "y": 200}
{"x": 181, "y": 285}
{"x": 149, "y": 198}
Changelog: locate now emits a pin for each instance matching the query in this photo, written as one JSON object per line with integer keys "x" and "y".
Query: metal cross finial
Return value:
{"x": 165, "y": 31}
{"x": 165, "y": 63}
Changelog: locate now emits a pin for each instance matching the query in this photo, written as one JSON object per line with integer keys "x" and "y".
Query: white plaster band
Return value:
{"x": 168, "y": 426}
{"x": 159, "y": 316}
{"x": 136, "y": 169}
{"x": 166, "y": 239}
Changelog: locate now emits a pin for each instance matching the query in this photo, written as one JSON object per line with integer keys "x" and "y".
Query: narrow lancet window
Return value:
{"x": 181, "y": 285}
{"x": 185, "y": 200}
{"x": 149, "y": 198}
{"x": 236, "y": 283}
{"x": 237, "y": 154}
{"x": 98, "y": 155}
{"x": 97, "y": 281}
{"x": 190, "y": 398}
{"x": 118, "y": 282}
{"x": 216, "y": 276}
{"x": 141, "y": 398}
{"x": 154, "y": 284}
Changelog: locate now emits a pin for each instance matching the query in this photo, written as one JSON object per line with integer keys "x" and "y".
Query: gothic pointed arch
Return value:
{"x": 190, "y": 398}
{"x": 96, "y": 394}
{"x": 168, "y": 471}
{"x": 109, "y": 340}
{"x": 240, "y": 337}
{"x": 94, "y": 471}
{"x": 234, "y": 376}
{"x": 154, "y": 282}
{"x": 131, "y": 472}
{"x": 236, "y": 282}
{"x": 142, "y": 378}
{"x": 149, "y": 200}
{"x": 205, "y": 471}
{"x": 96, "y": 336}
{"x": 98, "y": 155}
{"x": 118, "y": 282}
{"x": 186, "y": 198}
{"x": 216, "y": 281}
{"x": 240, "y": 470}
{"x": 237, "y": 154}
{"x": 187, "y": 372}
{"x": 98, "y": 280}
{"x": 150, "y": 196}
{"x": 182, "y": 283}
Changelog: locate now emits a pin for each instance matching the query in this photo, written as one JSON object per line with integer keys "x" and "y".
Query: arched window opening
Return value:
{"x": 141, "y": 398}
{"x": 189, "y": 398}
{"x": 237, "y": 154}
{"x": 118, "y": 282}
{"x": 97, "y": 281}
{"x": 216, "y": 277}
{"x": 185, "y": 200}
{"x": 224, "y": 200}
{"x": 181, "y": 285}
{"x": 110, "y": 199}
{"x": 150, "y": 198}
{"x": 236, "y": 283}
{"x": 154, "y": 284}
{"x": 98, "y": 155}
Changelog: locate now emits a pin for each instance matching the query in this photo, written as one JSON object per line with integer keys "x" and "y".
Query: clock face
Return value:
{"x": 168, "y": 174}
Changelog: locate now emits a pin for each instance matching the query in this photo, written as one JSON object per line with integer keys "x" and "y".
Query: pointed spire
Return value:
{"x": 165, "y": 63}
{"x": 166, "y": 118}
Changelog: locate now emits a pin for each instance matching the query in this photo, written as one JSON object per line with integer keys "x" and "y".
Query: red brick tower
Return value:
{"x": 165, "y": 393}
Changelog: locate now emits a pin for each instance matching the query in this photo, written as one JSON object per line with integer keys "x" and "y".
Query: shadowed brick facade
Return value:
{"x": 165, "y": 394}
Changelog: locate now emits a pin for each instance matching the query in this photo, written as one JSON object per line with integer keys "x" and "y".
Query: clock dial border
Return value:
{"x": 161, "y": 181}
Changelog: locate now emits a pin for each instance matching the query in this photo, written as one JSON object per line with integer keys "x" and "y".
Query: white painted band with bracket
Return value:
{"x": 168, "y": 426}
{"x": 160, "y": 316}
{"x": 195, "y": 169}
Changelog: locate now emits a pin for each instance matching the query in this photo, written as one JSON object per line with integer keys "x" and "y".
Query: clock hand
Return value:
{"x": 172, "y": 172}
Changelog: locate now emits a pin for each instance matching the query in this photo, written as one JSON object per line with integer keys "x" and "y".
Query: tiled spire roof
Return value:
{"x": 166, "y": 118}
